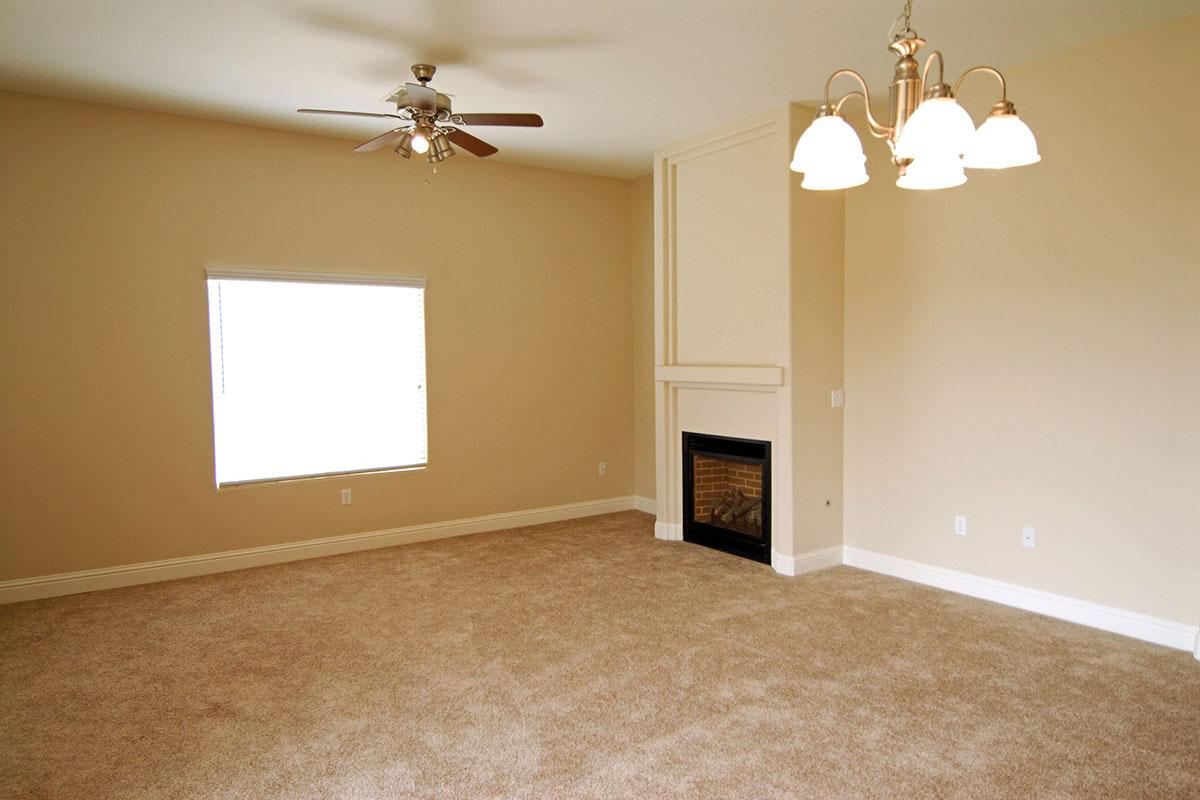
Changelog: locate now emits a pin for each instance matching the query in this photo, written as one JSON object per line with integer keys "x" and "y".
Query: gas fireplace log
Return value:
{"x": 743, "y": 507}
{"x": 733, "y": 506}
{"x": 746, "y": 506}
{"x": 730, "y": 500}
{"x": 754, "y": 517}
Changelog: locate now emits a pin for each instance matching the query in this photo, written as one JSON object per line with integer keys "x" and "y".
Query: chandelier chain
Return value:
{"x": 905, "y": 20}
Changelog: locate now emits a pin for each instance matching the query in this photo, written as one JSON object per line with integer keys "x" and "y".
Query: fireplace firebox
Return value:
{"x": 727, "y": 494}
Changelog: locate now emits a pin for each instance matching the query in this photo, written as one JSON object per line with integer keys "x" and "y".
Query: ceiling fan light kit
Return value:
{"x": 440, "y": 149}
{"x": 421, "y": 135}
{"x": 931, "y": 137}
{"x": 429, "y": 126}
{"x": 404, "y": 145}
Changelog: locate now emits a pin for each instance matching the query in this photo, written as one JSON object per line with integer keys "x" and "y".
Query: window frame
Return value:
{"x": 300, "y": 276}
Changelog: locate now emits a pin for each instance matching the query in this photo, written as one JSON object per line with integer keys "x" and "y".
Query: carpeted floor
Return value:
{"x": 579, "y": 659}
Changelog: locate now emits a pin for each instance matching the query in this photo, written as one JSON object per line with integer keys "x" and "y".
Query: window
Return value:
{"x": 315, "y": 374}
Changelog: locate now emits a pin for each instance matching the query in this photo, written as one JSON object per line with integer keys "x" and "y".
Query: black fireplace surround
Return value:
{"x": 733, "y": 522}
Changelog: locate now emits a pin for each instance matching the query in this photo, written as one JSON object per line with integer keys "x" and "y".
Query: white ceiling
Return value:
{"x": 613, "y": 80}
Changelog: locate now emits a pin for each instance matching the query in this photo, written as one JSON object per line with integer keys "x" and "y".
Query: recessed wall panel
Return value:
{"x": 730, "y": 250}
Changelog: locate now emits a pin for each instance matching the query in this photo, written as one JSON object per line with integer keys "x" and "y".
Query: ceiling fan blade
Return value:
{"x": 345, "y": 113}
{"x": 422, "y": 97}
{"x": 470, "y": 143}
{"x": 513, "y": 120}
{"x": 382, "y": 140}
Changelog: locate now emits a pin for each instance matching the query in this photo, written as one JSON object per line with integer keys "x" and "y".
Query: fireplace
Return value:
{"x": 727, "y": 494}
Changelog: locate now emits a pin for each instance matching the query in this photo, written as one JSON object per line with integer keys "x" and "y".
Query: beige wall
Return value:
{"x": 641, "y": 224}
{"x": 1025, "y": 350}
{"x": 107, "y": 220}
{"x": 817, "y": 283}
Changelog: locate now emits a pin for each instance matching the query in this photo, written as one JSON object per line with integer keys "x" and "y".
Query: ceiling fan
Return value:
{"x": 429, "y": 124}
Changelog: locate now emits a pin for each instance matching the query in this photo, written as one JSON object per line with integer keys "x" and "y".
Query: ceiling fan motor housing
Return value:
{"x": 401, "y": 99}
{"x": 423, "y": 72}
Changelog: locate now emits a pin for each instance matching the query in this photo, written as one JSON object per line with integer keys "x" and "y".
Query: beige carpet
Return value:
{"x": 580, "y": 659}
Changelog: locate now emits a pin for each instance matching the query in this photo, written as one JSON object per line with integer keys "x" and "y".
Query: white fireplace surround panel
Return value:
{"x": 722, "y": 308}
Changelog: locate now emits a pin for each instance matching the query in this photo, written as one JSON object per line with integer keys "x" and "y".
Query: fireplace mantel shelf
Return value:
{"x": 712, "y": 374}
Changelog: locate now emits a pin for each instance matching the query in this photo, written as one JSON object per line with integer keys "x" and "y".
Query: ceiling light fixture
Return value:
{"x": 429, "y": 124}
{"x": 422, "y": 134}
{"x": 441, "y": 149}
{"x": 404, "y": 145}
{"x": 930, "y": 135}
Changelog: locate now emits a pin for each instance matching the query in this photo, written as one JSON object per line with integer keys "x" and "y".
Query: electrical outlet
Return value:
{"x": 837, "y": 398}
{"x": 603, "y": 468}
{"x": 1027, "y": 536}
{"x": 346, "y": 497}
{"x": 960, "y": 525}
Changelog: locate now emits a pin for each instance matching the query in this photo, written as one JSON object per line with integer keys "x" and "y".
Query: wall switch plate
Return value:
{"x": 837, "y": 398}
{"x": 1027, "y": 536}
{"x": 603, "y": 468}
{"x": 346, "y": 497}
{"x": 960, "y": 525}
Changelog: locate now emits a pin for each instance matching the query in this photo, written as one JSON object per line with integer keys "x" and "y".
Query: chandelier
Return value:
{"x": 931, "y": 137}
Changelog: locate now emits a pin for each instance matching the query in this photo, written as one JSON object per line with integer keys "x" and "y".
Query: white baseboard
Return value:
{"x": 647, "y": 505}
{"x": 1114, "y": 620}
{"x": 806, "y": 562}
{"x": 668, "y": 531}
{"x": 1128, "y": 623}
{"x": 91, "y": 580}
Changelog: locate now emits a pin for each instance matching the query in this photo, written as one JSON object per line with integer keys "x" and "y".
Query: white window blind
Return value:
{"x": 315, "y": 374}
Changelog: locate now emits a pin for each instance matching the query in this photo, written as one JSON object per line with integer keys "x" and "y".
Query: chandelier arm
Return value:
{"x": 941, "y": 68}
{"x": 877, "y": 130}
{"x": 990, "y": 71}
{"x": 837, "y": 107}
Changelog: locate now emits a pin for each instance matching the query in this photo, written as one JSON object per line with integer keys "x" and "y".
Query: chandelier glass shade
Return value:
{"x": 933, "y": 171}
{"x": 939, "y": 126}
{"x": 931, "y": 137}
{"x": 830, "y": 155}
{"x": 844, "y": 177}
{"x": 1002, "y": 141}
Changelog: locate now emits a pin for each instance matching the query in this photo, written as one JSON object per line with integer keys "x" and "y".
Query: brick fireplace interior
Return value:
{"x": 728, "y": 493}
